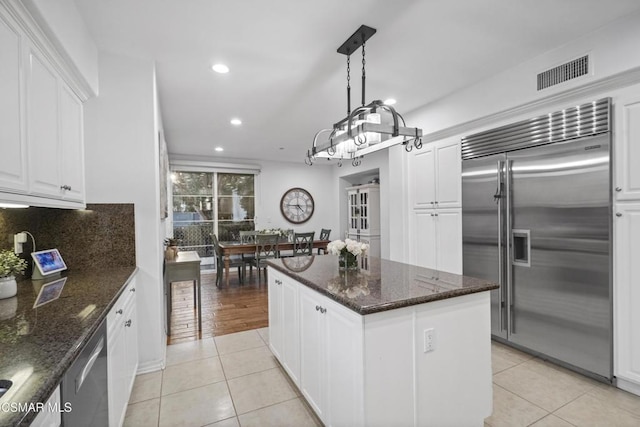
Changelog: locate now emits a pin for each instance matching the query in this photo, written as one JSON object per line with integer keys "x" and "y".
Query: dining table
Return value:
{"x": 228, "y": 248}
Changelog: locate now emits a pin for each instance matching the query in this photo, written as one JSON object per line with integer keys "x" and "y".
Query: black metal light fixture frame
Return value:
{"x": 345, "y": 130}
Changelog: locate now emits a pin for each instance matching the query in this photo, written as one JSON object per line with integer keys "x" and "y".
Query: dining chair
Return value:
{"x": 266, "y": 248}
{"x": 324, "y": 235}
{"x": 303, "y": 243}
{"x": 248, "y": 236}
{"x": 234, "y": 261}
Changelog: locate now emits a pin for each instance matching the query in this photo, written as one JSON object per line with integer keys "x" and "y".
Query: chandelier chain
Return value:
{"x": 364, "y": 61}
{"x": 364, "y": 73}
{"x": 348, "y": 84}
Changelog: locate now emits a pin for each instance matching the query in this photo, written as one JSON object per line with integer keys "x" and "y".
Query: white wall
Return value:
{"x": 512, "y": 95}
{"x": 277, "y": 177}
{"x": 64, "y": 26}
{"x": 613, "y": 49}
{"x": 121, "y": 151}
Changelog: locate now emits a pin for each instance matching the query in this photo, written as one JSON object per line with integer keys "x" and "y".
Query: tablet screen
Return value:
{"x": 49, "y": 261}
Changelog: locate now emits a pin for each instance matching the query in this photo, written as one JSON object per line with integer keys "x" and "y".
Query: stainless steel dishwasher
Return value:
{"x": 85, "y": 384}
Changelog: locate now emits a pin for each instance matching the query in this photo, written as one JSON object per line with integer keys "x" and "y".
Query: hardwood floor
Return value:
{"x": 224, "y": 310}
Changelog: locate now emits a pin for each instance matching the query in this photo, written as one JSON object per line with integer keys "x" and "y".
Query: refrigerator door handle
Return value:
{"x": 498, "y": 198}
{"x": 511, "y": 329}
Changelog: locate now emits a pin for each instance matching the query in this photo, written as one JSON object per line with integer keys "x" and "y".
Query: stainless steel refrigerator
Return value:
{"x": 536, "y": 218}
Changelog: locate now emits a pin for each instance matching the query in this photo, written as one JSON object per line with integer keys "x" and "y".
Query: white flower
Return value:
{"x": 354, "y": 247}
{"x": 335, "y": 247}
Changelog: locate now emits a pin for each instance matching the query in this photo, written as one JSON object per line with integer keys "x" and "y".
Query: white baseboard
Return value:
{"x": 152, "y": 366}
{"x": 629, "y": 386}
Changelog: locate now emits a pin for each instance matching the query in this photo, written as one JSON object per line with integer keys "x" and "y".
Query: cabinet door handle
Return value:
{"x": 323, "y": 310}
{"x": 317, "y": 308}
{"x": 618, "y": 189}
{"x": 127, "y": 323}
{"x": 132, "y": 290}
{"x": 435, "y": 214}
{"x": 619, "y": 214}
{"x": 65, "y": 187}
{"x": 119, "y": 311}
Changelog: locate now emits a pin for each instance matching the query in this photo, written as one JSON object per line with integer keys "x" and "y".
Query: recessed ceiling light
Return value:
{"x": 219, "y": 149}
{"x": 236, "y": 122}
{"x": 220, "y": 68}
{"x": 389, "y": 101}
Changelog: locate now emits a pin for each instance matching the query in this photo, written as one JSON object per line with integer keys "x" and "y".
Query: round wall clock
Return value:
{"x": 297, "y": 205}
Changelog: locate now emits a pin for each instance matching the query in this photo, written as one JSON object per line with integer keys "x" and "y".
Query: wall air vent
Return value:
{"x": 562, "y": 73}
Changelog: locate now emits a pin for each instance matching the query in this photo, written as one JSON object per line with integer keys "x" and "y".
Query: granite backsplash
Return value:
{"x": 101, "y": 236}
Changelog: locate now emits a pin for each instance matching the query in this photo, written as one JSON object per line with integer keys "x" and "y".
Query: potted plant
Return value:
{"x": 10, "y": 265}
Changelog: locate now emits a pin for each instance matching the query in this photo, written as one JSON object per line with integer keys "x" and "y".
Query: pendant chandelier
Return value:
{"x": 369, "y": 128}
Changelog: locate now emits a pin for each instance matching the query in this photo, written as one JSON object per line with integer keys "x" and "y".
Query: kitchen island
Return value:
{"x": 38, "y": 345}
{"x": 388, "y": 344}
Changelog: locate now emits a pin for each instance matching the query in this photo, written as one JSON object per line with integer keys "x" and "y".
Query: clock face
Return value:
{"x": 297, "y": 205}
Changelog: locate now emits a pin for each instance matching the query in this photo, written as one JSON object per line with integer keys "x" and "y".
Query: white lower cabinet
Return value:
{"x": 371, "y": 370}
{"x": 284, "y": 325}
{"x": 331, "y": 359}
{"x": 438, "y": 243}
{"x": 627, "y": 296}
{"x": 122, "y": 356}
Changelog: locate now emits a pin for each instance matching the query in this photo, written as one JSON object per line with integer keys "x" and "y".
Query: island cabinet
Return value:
{"x": 397, "y": 345}
{"x": 331, "y": 359}
{"x": 284, "y": 332}
{"x": 122, "y": 357}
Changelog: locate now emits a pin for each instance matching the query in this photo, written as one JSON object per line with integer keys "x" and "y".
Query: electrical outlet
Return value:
{"x": 429, "y": 340}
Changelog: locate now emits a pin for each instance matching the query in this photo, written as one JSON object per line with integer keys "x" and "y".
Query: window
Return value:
{"x": 207, "y": 203}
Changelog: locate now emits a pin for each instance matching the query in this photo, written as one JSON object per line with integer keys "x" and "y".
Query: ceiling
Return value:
{"x": 287, "y": 81}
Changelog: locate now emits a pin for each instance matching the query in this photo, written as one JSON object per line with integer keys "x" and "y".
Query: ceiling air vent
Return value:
{"x": 562, "y": 73}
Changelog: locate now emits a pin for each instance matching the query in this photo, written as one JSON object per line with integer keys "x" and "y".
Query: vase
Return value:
{"x": 347, "y": 261}
{"x": 171, "y": 253}
{"x": 8, "y": 287}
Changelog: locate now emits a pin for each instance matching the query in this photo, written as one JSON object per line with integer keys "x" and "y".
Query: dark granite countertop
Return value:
{"x": 384, "y": 285}
{"x": 38, "y": 345}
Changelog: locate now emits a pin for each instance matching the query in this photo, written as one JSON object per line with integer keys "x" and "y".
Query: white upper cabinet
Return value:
{"x": 422, "y": 179}
{"x": 448, "y": 172}
{"x": 13, "y": 161}
{"x": 435, "y": 175}
{"x": 71, "y": 146}
{"x": 41, "y": 125}
{"x": 627, "y": 147}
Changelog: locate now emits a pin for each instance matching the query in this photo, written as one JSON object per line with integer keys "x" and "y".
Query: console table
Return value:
{"x": 186, "y": 267}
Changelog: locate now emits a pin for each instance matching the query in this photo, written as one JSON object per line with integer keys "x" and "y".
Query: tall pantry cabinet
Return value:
{"x": 435, "y": 209}
{"x": 626, "y": 228}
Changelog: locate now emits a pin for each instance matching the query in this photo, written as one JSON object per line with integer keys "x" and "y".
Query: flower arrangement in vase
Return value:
{"x": 348, "y": 252}
{"x": 10, "y": 265}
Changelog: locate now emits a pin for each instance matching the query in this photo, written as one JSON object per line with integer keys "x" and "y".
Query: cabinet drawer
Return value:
{"x": 116, "y": 314}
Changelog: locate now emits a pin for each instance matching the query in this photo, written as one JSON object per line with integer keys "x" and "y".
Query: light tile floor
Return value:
{"x": 233, "y": 380}
{"x": 227, "y": 381}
